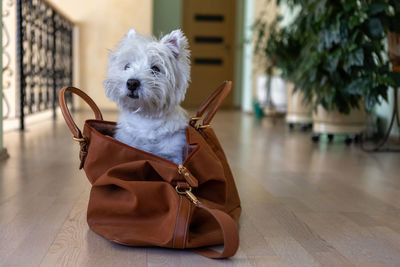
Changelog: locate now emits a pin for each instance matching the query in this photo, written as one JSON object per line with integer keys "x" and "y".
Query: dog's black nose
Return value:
{"x": 133, "y": 84}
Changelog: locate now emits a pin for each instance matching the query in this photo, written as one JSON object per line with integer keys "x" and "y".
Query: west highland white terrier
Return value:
{"x": 147, "y": 78}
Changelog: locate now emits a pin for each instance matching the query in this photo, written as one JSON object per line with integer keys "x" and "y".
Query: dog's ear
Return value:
{"x": 176, "y": 41}
{"x": 131, "y": 33}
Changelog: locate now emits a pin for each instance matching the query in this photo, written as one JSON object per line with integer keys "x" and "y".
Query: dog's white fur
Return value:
{"x": 154, "y": 121}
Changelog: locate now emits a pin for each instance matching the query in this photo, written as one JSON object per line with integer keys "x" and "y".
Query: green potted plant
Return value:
{"x": 341, "y": 62}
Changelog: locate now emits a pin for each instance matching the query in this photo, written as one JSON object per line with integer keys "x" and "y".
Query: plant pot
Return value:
{"x": 333, "y": 122}
{"x": 274, "y": 101}
{"x": 297, "y": 111}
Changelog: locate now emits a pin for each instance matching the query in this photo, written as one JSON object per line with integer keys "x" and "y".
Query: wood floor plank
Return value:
{"x": 253, "y": 243}
{"x": 13, "y": 233}
{"x": 358, "y": 244}
{"x": 70, "y": 241}
{"x": 304, "y": 204}
{"x": 76, "y": 245}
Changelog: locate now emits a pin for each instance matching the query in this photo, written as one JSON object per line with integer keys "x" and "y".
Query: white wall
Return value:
{"x": 247, "y": 57}
{"x": 102, "y": 23}
{"x": 256, "y": 65}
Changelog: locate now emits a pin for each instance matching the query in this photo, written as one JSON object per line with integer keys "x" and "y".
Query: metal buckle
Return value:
{"x": 188, "y": 193}
{"x": 200, "y": 126}
{"x": 83, "y": 152}
{"x": 79, "y": 139}
{"x": 195, "y": 118}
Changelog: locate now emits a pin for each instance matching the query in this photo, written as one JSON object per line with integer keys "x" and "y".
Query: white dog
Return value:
{"x": 148, "y": 78}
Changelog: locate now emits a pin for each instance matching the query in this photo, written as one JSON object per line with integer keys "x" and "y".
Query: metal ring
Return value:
{"x": 183, "y": 192}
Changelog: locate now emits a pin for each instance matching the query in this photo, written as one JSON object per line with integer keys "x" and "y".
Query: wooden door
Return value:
{"x": 210, "y": 28}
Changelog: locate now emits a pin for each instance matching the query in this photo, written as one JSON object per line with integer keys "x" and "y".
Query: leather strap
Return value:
{"x": 219, "y": 95}
{"x": 229, "y": 231}
{"x": 67, "y": 115}
{"x": 185, "y": 211}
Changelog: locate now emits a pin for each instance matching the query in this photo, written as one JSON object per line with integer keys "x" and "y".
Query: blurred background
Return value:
{"x": 315, "y": 93}
{"x": 259, "y": 44}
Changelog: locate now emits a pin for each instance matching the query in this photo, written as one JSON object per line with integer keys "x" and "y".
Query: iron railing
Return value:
{"x": 44, "y": 52}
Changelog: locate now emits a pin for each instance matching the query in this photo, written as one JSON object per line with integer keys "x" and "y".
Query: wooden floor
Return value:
{"x": 303, "y": 204}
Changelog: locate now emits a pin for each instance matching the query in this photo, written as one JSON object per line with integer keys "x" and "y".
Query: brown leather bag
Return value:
{"x": 140, "y": 199}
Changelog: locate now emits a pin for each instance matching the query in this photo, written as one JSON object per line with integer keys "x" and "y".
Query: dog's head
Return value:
{"x": 147, "y": 75}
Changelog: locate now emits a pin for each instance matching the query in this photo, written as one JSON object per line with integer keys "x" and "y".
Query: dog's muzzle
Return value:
{"x": 133, "y": 86}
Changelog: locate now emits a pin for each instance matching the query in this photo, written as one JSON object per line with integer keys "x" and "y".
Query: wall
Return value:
{"x": 258, "y": 67}
{"x": 243, "y": 54}
{"x": 167, "y": 16}
{"x": 102, "y": 23}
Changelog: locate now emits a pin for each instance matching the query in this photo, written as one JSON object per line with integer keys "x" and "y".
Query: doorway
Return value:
{"x": 210, "y": 28}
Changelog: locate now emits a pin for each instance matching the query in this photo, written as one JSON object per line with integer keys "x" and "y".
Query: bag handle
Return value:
{"x": 67, "y": 115}
{"x": 219, "y": 95}
{"x": 229, "y": 231}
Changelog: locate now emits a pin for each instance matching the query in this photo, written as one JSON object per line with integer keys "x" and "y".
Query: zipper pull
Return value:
{"x": 192, "y": 181}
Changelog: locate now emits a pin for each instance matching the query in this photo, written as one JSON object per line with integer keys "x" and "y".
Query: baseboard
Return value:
{"x": 3, "y": 154}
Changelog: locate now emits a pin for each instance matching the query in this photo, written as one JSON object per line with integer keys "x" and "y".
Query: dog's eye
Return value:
{"x": 155, "y": 69}
{"x": 127, "y": 66}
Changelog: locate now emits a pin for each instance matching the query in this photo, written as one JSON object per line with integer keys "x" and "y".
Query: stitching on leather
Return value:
{"x": 186, "y": 225}
{"x": 176, "y": 221}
